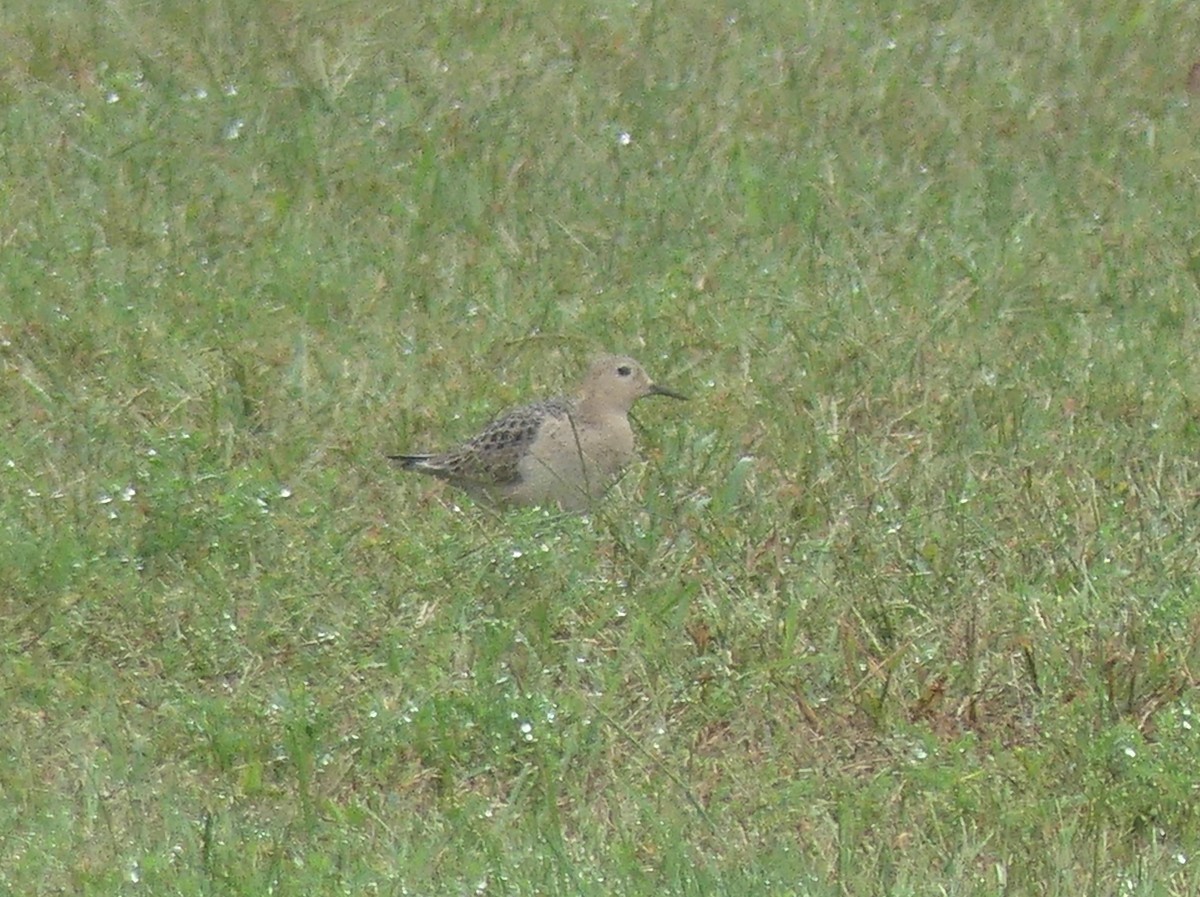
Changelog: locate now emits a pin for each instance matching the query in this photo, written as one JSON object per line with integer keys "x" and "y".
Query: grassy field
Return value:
{"x": 904, "y": 601}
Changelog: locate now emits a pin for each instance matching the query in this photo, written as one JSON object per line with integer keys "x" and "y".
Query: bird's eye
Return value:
{"x": 624, "y": 370}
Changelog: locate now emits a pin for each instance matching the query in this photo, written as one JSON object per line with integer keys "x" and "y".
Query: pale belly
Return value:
{"x": 573, "y": 466}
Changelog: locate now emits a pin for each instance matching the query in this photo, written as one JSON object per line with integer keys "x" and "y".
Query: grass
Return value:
{"x": 904, "y": 602}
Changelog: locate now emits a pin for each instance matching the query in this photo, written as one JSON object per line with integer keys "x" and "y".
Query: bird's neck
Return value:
{"x": 588, "y": 410}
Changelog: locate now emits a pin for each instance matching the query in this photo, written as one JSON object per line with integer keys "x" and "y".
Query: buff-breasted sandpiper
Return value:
{"x": 560, "y": 451}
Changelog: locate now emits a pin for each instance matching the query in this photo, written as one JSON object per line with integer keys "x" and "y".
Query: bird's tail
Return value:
{"x": 409, "y": 462}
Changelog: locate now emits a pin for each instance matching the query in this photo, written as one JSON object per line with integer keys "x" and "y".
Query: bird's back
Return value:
{"x": 491, "y": 459}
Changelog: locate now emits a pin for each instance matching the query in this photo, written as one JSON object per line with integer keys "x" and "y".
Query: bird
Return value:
{"x": 560, "y": 451}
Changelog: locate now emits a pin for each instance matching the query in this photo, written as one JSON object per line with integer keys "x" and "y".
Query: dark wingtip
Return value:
{"x": 407, "y": 461}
